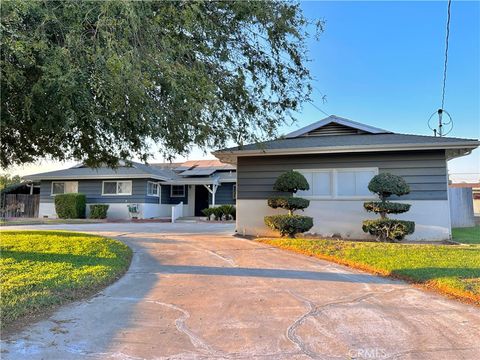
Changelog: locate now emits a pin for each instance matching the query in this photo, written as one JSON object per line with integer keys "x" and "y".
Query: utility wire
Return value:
{"x": 446, "y": 53}
{"x": 316, "y": 107}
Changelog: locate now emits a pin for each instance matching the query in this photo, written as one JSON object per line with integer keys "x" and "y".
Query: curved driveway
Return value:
{"x": 195, "y": 292}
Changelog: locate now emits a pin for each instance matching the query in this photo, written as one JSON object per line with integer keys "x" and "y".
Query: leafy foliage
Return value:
{"x": 389, "y": 229}
{"x": 288, "y": 202}
{"x": 41, "y": 269}
{"x": 222, "y": 212}
{"x": 99, "y": 81}
{"x": 386, "y": 184}
{"x": 7, "y": 180}
{"x": 289, "y": 225}
{"x": 291, "y": 181}
{"x": 386, "y": 207}
{"x": 98, "y": 211}
{"x": 70, "y": 206}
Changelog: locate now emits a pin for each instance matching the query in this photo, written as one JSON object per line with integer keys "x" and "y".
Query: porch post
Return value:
{"x": 214, "y": 186}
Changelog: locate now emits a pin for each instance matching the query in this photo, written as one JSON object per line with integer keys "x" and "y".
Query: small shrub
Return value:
{"x": 289, "y": 225}
{"x": 389, "y": 229}
{"x": 289, "y": 203}
{"x": 291, "y": 182}
{"x": 386, "y": 184}
{"x": 98, "y": 211}
{"x": 227, "y": 211}
{"x": 70, "y": 206}
{"x": 217, "y": 212}
{"x": 208, "y": 212}
{"x": 386, "y": 207}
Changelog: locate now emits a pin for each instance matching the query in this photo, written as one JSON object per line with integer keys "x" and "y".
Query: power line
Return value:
{"x": 316, "y": 107}
{"x": 446, "y": 53}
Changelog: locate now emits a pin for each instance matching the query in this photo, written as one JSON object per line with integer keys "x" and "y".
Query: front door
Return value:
{"x": 201, "y": 199}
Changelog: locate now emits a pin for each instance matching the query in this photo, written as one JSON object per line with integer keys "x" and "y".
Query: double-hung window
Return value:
{"x": 123, "y": 187}
{"x": 64, "y": 187}
{"x": 177, "y": 191}
{"x": 348, "y": 183}
{"x": 153, "y": 188}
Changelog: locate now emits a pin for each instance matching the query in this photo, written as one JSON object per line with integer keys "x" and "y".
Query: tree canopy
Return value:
{"x": 101, "y": 81}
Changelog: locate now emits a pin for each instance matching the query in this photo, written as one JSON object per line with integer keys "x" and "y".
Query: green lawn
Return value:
{"x": 39, "y": 221}
{"x": 40, "y": 269}
{"x": 467, "y": 235}
{"x": 451, "y": 269}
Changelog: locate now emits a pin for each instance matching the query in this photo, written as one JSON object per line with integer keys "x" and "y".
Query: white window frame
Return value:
{"x": 62, "y": 182}
{"x": 334, "y": 187}
{"x": 177, "y": 196}
{"x": 234, "y": 192}
{"x": 158, "y": 188}
{"x": 117, "y": 181}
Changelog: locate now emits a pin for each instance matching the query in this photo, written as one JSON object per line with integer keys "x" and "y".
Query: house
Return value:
{"x": 338, "y": 157}
{"x": 151, "y": 189}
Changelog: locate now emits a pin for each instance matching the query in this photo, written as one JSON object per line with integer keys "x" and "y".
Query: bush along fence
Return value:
{"x": 289, "y": 224}
{"x": 70, "y": 206}
{"x": 385, "y": 229}
{"x": 222, "y": 212}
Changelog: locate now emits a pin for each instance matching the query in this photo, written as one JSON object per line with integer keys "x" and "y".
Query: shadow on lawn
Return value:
{"x": 430, "y": 273}
{"x": 77, "y": 260}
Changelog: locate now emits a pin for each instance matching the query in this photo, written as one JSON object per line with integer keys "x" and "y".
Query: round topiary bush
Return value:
{"x": 386, "y": 184}
{"x": 290, "y": 224}
{"x": 291, "y": 182}
{"x": 385, "y": 229}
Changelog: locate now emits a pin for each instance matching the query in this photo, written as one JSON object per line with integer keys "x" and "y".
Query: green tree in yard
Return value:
{"x": 6, "y": 180}
{"x": 385, "y": 229}
{"x": 289, "y": 224}
{"x": 99, "y": 81}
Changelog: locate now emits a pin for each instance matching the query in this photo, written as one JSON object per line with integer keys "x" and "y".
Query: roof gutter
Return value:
{"x": 345, "y": 149}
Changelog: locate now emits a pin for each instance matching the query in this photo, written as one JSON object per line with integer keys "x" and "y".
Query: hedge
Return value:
{"x": 98, "y": 211}
{"x": 289, "y": 225}
{"x": 386, "y": 207}
{"x": 70, "y": 206}
{"x": 288, "y": 203}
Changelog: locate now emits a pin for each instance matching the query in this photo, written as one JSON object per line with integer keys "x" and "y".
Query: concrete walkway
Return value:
{"x": 195, "y": 292}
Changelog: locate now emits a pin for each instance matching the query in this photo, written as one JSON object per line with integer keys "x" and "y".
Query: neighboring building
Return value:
{"x": 152, "y": 189}
{"x": 475, "y": 192}
{"x": 339, "y": 157}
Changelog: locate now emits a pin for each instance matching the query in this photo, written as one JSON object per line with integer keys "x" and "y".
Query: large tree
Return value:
{"x": 98, "y": 81}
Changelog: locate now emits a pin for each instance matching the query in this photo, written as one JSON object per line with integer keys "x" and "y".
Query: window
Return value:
{"x": 234, "y": 191}
{"x": 64, "y": 187}
{"x": 117, "y": 188}
{"x": 177, "y": 191}
{"x": 338, "y": 183}
{"x": 153, "y": 189}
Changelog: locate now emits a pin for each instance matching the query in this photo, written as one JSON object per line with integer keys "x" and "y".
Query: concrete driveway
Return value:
{"x": 195, "y": 292}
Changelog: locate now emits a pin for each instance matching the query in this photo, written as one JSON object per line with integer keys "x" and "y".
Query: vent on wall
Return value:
{"x": 334, "y": 129}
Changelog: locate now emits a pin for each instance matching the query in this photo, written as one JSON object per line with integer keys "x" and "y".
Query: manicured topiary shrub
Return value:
{"x": 98, "y": 211}
{"x": 70, "y": 206}
{"x": 385, "y": 229}
{"x": 289, "y": 224}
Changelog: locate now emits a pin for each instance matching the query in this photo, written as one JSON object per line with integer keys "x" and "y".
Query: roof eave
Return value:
{"x": 226, "y": 156}
{"x": 94, "y": 177}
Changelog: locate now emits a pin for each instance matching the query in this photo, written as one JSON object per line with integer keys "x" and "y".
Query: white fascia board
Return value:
{"x": 338, "y": 120}
{"x": 346, "y": 149}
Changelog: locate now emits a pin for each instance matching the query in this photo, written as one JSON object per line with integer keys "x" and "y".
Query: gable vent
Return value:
{"x": 334, "y": 129}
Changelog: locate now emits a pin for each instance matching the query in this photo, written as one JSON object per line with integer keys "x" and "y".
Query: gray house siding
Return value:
{"x": 167, "y": 199}
{"x": 224, "y": 195}
{"x": 424, "y": 171}
{"x": 93, "y": 191}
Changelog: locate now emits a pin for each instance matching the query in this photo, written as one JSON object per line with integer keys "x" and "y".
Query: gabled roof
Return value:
{"x": 313, "y": 129}
{"x": 136, "y": 170}
{"x": 367, "y": 139}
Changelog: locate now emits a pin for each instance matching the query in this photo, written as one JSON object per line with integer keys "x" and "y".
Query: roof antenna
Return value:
{"x": 439, "y": 128}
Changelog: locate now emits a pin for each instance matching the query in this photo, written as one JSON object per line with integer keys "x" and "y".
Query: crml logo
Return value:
{"x": 367, "y": 353}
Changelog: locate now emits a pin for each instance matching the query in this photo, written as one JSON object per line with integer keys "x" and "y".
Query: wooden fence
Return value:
{"x": 19, "y": 205}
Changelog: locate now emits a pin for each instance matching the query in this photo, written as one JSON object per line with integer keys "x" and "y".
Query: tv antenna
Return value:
{"x": 444, "y": 124}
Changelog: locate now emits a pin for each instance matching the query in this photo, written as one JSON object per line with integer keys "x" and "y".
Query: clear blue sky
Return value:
{"x": 381, "y": 63}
